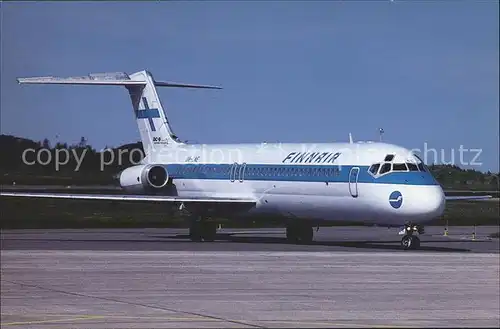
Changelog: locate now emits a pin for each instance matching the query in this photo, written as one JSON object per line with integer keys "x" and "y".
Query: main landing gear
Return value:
{"x": 410, "y": 240}
{"x": 299, "y": 233}
{"x": 202, "y": 230}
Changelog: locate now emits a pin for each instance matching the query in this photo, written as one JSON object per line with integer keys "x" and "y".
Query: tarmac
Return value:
{"x": 342, "y": 238}
{"x": 153, "y": 278}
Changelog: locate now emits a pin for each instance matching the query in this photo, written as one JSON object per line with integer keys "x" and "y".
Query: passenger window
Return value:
{"x": 374, "y": 168}
{"x": 386, "y": 167}
{"x": 399, "y": 167}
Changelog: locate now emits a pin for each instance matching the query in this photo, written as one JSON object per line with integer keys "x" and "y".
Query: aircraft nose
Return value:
{"x": 432, "y": 202}
{"x": 419, "y": 203}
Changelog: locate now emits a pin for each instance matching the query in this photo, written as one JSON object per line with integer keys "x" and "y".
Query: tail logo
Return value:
{"x": 396, "y": 199}
{"x": 148, "y": 113}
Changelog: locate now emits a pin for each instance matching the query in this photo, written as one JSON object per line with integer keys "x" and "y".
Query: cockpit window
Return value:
{"x": 374, "y": 168}
{"x": 399, "y": 167}
{"x": 389, "y": 157}
{"x": 412, "y": 166}
{"x": 421, "y": 167}
{"x": 386, "y": 167}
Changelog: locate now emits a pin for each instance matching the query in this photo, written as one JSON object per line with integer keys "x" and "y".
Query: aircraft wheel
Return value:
{"x": 291, "y": 234}
{"x": 202, "y": 231}
{"x": 209, "y": 231}
{"x": 299, "y": 234}
{"x": 306, "y": 234}
{"x": 410, "y": 242}
{"x": 195, "y": 232}
{"x": 416, "y": 242}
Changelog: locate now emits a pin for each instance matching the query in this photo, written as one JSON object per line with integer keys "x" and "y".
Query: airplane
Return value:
{"x": 312, "y": 185}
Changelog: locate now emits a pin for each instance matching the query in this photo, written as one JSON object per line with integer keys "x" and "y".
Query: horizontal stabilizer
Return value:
{"x": 119, "y": 79}
{"x": 183, "y": 85}
{"x": 110, "y": 79}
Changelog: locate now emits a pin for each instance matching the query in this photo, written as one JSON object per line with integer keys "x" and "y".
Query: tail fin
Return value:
{"x": 152, "y": 121}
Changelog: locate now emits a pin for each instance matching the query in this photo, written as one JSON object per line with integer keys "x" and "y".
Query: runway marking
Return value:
{"x": 332, "y": 323}
{"x": 204, "y": 316}
{"x": 188, "y": 319}
{"x": 107, "y": 317}
{"x": 347, "y": 323}
{"x": 20, "y": 323}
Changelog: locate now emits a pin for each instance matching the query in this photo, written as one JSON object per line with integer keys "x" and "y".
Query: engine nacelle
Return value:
{"x": 144, "y": 178}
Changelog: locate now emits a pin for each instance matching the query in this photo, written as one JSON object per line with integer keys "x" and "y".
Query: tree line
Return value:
{"x": 24, "y": 162}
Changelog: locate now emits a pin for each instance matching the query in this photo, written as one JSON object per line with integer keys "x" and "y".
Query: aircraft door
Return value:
{"x": 353, "y": 182}
{"x": 233, "y": 172}
{"x": 242, "y": 172}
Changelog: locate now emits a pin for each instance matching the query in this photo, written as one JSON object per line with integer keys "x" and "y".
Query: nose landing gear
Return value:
{"x": 410, "y": 240}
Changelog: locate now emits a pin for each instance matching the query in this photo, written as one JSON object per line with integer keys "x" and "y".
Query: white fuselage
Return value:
{"x": 309, "y": 181}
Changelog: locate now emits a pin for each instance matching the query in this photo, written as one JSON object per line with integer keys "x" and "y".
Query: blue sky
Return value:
{"x": 425, "y": 71}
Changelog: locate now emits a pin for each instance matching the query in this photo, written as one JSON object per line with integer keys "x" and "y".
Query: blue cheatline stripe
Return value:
{"x": 148, "y": 113}
{"x": 293, "y": 173}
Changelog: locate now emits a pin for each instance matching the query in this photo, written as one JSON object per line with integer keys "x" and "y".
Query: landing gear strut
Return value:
{"x": 299, "y": 233}
{"x": 202, "y": 230}
{"x": 410, "y": 240}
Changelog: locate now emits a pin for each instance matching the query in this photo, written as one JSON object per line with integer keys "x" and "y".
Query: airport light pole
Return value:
{"x": 381, "y": 132}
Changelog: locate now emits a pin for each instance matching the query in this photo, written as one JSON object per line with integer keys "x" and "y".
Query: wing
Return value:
{"x": 125, "y": 197}
{"x": 466, "y": 198}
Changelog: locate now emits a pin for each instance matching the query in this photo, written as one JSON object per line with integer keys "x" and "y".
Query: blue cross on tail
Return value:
{"x": 148, "y": 113}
